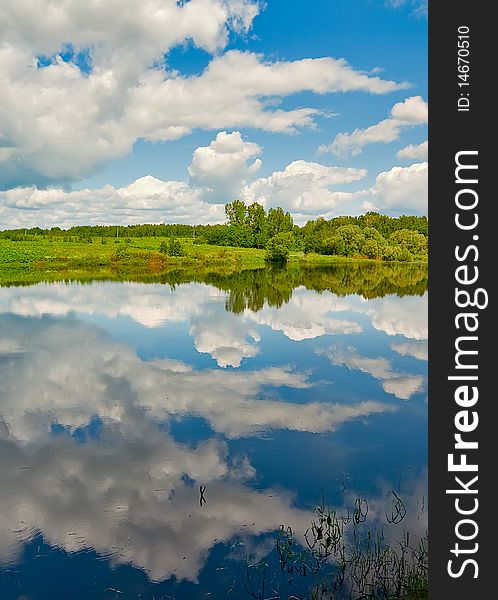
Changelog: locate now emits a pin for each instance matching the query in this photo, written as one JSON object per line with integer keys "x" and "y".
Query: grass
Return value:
{"x": 347, "y": 559}
{"x": 23, "y": 262}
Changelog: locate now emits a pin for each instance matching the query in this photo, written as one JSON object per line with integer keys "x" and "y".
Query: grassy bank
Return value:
{"x": 107, "y": 258}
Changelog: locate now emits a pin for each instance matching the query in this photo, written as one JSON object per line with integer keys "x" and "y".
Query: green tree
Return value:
{"x": 372, "y": 248}
{"x": 236, "y": 213}
{"x": 374, "y": 243}
{"x": 353, "y": 239}
{"x": 334, "y": 244}
{"x": 413, "y": 241}
{"x": 257, "y": 223}
{"x": 371, "y": 233}
{"x": 278, "y": 247}
{"x": 175, "y": 247}
{"x": 391, "y": 253}
{"x": 279, "y": 221}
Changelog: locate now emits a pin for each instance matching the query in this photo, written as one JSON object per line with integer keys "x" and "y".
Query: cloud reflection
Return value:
{"x": 227, "y": 338}
{"x": 401, "y": 385}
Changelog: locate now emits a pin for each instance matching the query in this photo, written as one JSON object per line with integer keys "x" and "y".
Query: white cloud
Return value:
{"x": 224, "y": 166}
{"x": 400, "y": 190}
{"x": 414, "y": 152}
{"x": 304, "y": 188}
{"x": 409, "y": 113}
{"x": 228, "y": 339}
{"x": 225, "y": 337}
{"x": 126, "y": 496}
{"x": 412, "y": 110}
{"x": 219, "y": 172}
{"x": 147, "y": 200}
{"x": 60, "y": 122}
{"x": 141, "y": 27}
{"x": 417, "y": 349}
{"x": 152, "y": 305}
{"x": 95, "y": 376}
{"x": 401, "y": 385}
{"x": 307, "y": 316}
{"x": 405, "y": 316}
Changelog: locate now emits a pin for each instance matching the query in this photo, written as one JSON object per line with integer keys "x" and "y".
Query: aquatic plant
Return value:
{"x": 346, "y": 559}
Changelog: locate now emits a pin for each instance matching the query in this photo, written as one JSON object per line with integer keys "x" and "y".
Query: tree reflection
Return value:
{"x": 274, "y": 285}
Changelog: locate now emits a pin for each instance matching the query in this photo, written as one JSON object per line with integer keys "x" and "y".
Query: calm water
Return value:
{"x": 154, "y": 436}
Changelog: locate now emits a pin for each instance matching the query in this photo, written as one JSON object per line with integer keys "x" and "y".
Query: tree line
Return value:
{"x": 371, "y": 235}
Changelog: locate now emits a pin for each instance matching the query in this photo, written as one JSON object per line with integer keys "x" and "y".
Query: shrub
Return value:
{"x": 397, "y": 253}
{"x": 172, "y": 248}
{"x": 413, "y": 241}
{"x": 334, "y": 244}
{"x": 372, "y": 248}
{"x": 121, "y": 253}
{"x": 391, "y": 253}
{"x": 277, "y": 248}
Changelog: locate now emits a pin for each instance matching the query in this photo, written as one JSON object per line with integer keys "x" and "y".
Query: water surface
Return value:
{"x": 154, "y": 436}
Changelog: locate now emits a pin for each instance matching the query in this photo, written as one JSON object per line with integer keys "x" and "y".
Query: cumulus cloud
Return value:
{"x": 146, "y": 200}
{"x": 95, "y": 376}
{"x": 218, "y": 173}
{"x": 62, "y": 116}
{"x": 139, "y": 26}
{"x": 151, "y": 305}
{"x": 304, "y": 188}
{"x": 409, "y": 113}
{"x": 400, "y": 190}
{"x": 401, "y": 385}
{"x": 406, "y": 316}
{"x": 414, "y": 152}
{"x": 127, "y": 496}
{"x": 307, "y": 316}
{"x": 417, "y": 349}
{"x": 225, "y": 338}
{"x": 224, "y": 166}
{"x": 130, "y": 496}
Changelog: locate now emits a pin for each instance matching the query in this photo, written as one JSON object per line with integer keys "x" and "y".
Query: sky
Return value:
{"x": 152, "y": 111}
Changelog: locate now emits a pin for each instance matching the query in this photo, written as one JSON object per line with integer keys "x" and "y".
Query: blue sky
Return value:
{"x": 180, "y": 96}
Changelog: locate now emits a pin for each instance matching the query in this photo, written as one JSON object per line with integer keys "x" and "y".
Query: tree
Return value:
{"x": 391, "y": 253}
{"x": 374, "y": 243}
{"x": 236, "y": 213}
{"x": 257, "y": 222}
{"x": 372, "y": 248}
{"x": 279, "y": 221}
{"x": 352, "y": 237}
{"x": 334, "y": 244}
{"x": 413, "y": 241}
{"x": 278, "y": 247}
{"x": 371, "y": 233}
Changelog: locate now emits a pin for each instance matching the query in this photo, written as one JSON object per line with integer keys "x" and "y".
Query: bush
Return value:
{"x": 121, "y": 253}
{"x": 334, "y": 245}
{"x": 397, "y": 253}
{"x": 352, "y": 237}
{"x": 172, "y": 248}
{"x": 413, "y": 241}
{"x": 391, "y": 253}
{"x": 372, "y": 248}
{"x": 278, "y": 247}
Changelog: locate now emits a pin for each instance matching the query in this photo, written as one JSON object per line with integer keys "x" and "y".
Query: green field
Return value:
{"x": 52, "y": 260}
